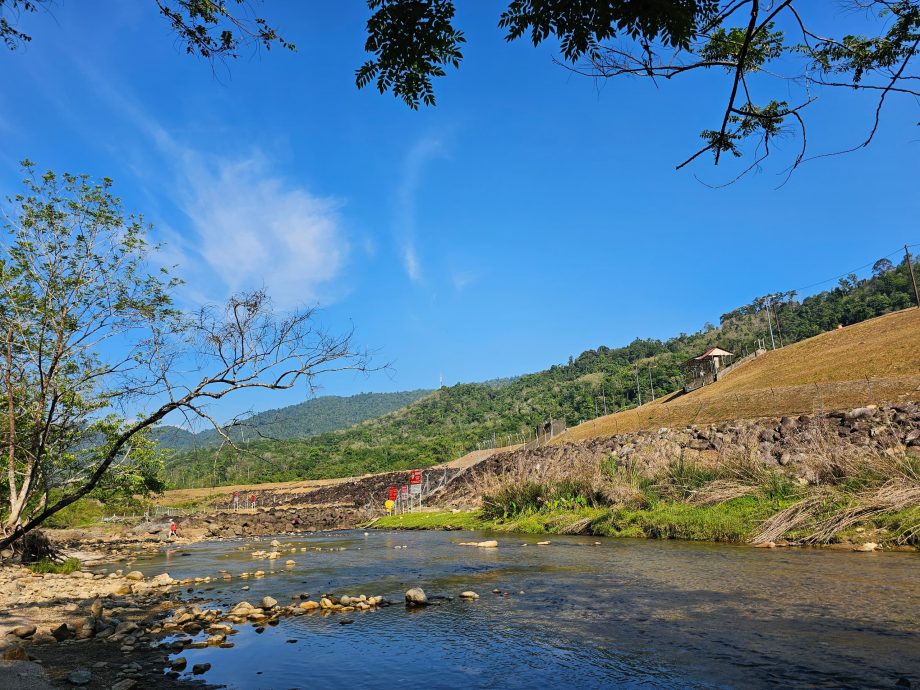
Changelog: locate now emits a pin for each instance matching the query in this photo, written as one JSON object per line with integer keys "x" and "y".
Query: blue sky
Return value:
{"x": 531, "y": 215}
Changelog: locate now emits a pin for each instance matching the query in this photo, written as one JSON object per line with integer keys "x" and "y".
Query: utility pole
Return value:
{"x": 770, "y": 324}
{"x": 604, "y": 396}
{"x": 650, "y": 384}
{"x": 913, "y": 278}
{"x": 638, "y": 392}
{"x": 779, "y": 329}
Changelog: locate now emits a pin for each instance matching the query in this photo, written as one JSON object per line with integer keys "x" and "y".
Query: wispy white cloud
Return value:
{"x": 253, "y": 228}
{"x": 247, "y": 225}
{"x": 418, "y": 157}
{"x": 410, "y": 261}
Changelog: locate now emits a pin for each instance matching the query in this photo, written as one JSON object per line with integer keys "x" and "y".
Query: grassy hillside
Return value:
{"x": 317, "y": 416}
{"x": 875, "y": 361}
{"x": 455, "y": 420}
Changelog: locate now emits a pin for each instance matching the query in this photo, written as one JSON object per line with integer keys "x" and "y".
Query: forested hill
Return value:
{"x": 453, "y": 420}
{"x": 316, "y": 416}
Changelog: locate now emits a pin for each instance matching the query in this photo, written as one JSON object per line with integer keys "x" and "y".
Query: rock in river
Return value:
{"x": 269, "y": 602}
{"x": 469, "y": 595}
{"x": 490, "y": 544}
{"x": 416, "y": 597}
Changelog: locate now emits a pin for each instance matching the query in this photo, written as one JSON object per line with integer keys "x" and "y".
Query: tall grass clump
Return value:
{"x": 47, "y": 565}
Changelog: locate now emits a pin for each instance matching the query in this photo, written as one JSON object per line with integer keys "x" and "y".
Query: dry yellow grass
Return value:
{"x": 872, "y": 362}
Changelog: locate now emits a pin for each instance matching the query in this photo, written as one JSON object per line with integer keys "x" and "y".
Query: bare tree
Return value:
{"x": 95, "y": 352}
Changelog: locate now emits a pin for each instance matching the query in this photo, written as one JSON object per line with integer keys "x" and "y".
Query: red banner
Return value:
{"x": 391, "y": 493}
{"x": 415, "y": 477}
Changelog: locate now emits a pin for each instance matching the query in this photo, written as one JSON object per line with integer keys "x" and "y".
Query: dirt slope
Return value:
{"x": 871, "y": 362}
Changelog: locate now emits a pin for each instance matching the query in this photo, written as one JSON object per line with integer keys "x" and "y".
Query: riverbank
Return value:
{"x": 736, "y": 521}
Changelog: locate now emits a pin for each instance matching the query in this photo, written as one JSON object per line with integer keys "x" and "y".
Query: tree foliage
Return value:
{"x": 761, "y": 47}
{"x": 317, "y": 416}
{"x": 775, "y": 56}
{"x": 207, "y": 28}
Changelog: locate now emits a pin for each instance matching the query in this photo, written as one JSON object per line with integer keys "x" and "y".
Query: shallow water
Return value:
{"x": 625, "y": 613}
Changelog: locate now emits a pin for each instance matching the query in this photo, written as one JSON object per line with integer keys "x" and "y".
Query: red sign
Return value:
{"x": 415, "y": 477}
{"x": 404, "y": 491}
{"x": 391, "y": 493}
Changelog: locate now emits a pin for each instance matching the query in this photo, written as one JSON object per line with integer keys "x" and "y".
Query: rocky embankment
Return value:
{"x": 281, "y": 520}
{"x": 794, "y": 444}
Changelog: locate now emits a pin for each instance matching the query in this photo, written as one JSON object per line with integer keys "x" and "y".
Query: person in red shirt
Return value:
{"x": 173, "y": 529}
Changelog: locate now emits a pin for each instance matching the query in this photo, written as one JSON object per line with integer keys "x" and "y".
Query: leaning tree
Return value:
{"x": 95, "y": 351}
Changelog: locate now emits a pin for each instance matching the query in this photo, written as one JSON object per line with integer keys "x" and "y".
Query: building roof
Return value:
{"x": 714, "y": 352}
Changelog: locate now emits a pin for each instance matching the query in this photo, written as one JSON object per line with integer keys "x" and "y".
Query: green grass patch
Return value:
{"x": 46, "y": 565}
{"x": 82, "y": 513}
{"x": 432, "y": 520}
{"x": 733, "y": 521}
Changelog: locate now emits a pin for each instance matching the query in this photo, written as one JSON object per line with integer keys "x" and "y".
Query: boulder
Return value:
{"x": 62, "y": 632}
{"x": 269, "y": 602}
{"x": 416, "y": 597}
{"x": 135, "y": 575}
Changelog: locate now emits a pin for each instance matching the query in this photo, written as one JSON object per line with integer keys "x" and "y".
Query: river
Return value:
{"x": 618, "y": 613}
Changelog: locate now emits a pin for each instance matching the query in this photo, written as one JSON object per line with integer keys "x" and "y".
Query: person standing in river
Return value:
{"x": 173, "y": 530}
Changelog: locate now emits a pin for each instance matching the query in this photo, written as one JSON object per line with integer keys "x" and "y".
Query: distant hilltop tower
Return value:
{"x": 441, "y": 380}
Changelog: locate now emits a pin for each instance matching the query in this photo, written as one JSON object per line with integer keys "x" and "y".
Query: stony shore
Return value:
{"x": 83, "y": 628}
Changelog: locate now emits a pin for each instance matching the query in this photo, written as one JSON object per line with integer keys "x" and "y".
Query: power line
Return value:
{"x": 896, "y": 252}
